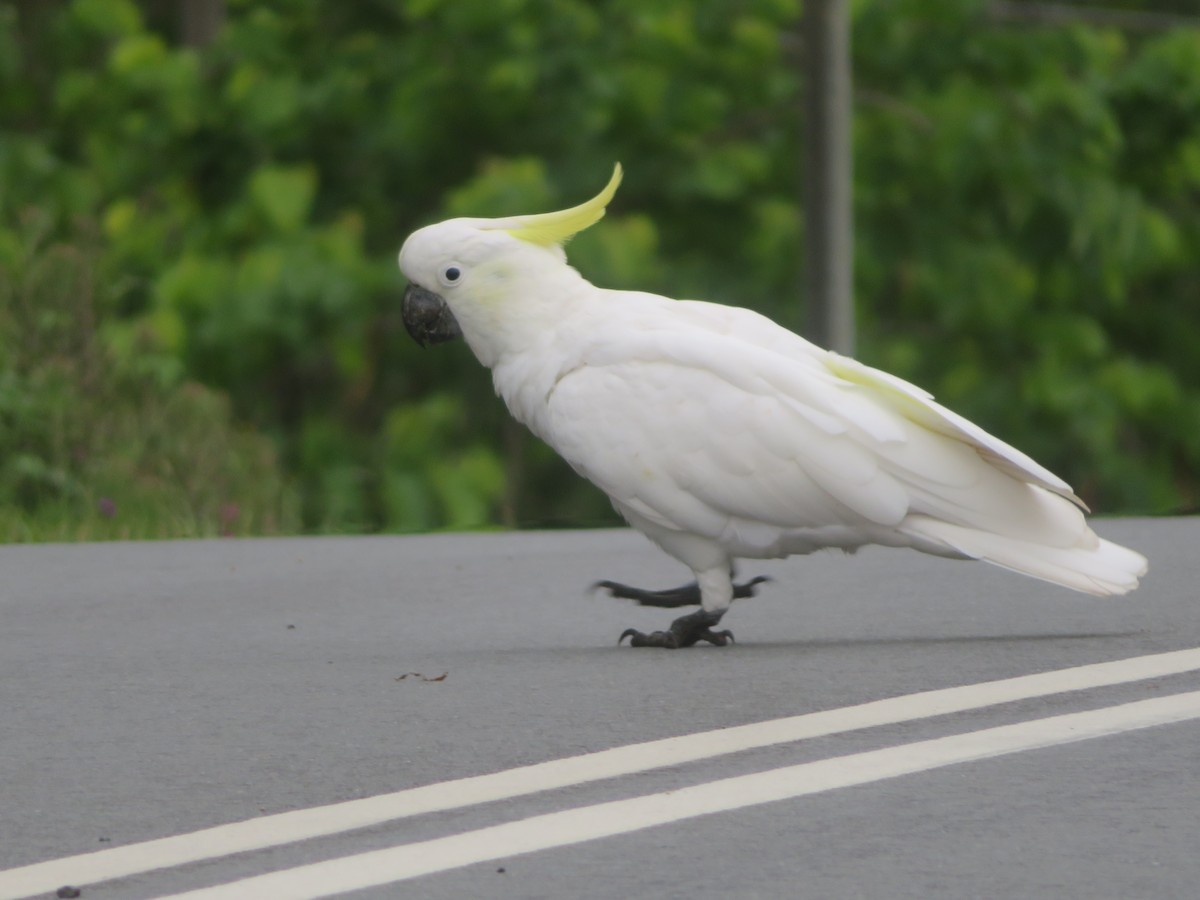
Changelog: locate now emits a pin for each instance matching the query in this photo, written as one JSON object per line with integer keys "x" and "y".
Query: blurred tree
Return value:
{"x": 96, "y": 444}
{"x": 1027, "y": 214}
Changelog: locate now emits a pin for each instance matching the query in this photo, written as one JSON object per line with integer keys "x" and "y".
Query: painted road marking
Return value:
{"x": 588, "y": 823}
{"x": 321, "y": 821}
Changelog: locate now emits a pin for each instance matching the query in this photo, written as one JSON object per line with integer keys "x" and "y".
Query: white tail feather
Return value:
{"x": 1094, "y": 566}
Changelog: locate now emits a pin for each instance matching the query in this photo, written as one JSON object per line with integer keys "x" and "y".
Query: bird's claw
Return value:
{"x": 684, "y": 632}
{"x": 747, "y": 588}
{"x": 668, "y": 641}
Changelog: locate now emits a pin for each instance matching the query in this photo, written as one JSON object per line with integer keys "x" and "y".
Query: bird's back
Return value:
{"x": 713, "y": 420}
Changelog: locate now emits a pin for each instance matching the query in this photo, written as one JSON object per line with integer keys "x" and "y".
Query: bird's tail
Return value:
{"x": 1091, "y": 564}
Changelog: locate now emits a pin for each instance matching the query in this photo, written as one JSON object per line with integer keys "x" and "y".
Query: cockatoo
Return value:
{"x": 721, "y": 435}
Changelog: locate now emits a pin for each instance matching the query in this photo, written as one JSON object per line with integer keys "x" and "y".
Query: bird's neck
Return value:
{"x": 514, "y": 317}
{"x": 536, "y": 342}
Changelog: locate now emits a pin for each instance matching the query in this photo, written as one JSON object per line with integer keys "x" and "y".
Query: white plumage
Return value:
{"x": 720, "y": 434}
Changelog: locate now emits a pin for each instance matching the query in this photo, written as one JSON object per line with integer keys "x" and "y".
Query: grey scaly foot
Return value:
{"x": 685, "y": 595}
{"x": 684, "y": 632}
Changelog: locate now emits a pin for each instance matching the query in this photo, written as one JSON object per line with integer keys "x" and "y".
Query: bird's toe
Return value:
{"x": 663, "y": 639}
{"x": 686, "y": 631}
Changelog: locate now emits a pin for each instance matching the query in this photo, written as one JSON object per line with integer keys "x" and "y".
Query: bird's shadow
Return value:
{"x": 826, "y": 643}
{"x": 924, "y": 640}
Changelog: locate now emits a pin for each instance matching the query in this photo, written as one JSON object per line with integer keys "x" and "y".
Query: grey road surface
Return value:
{"x": 155, "y": 689}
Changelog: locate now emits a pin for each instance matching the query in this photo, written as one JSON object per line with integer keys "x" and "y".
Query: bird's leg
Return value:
{"x": 714, "y": 590}
{"x": 684, "y": 595}
{"x": 684, "y": 632}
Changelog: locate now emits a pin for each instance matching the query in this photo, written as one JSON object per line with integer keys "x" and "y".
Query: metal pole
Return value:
{"x": 829, "y": 240}
{"x": 201, "y": 20}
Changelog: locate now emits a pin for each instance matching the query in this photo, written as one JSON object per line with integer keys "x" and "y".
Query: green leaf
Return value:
{"x": 284, "y": 194}
{"x": 111, "y": 18}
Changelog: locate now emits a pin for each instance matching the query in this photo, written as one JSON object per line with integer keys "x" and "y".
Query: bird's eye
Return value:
{"x": 451, "y": 274}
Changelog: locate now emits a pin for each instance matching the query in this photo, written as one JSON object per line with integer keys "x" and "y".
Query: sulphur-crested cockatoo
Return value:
{"x": 719, "y": 434}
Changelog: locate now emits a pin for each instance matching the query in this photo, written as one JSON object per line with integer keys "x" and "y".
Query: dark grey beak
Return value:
{"x": 428, "y": 318}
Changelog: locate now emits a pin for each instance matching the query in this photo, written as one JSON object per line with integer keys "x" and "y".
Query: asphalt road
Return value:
{"x": 158, "y": 689}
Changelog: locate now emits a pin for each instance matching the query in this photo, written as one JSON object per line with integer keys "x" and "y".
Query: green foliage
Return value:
{"x": 1027, "y": 218}
{"x": 100, "y": 443}
{"x": 424, "y": 483}
{"x": 1042, "y": 235}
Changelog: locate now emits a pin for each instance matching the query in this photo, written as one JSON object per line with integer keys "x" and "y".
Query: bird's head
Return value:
{"x": 462, "y": 270}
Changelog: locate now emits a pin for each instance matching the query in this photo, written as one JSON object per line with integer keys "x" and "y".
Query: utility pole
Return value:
{"x": 200, "y": 20}
{"x": 828, "y": 214}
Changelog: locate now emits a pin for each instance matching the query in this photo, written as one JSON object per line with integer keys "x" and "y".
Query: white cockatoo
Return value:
{"x": 721, "y": 435}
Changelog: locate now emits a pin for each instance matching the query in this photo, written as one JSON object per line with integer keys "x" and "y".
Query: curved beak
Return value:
{"x": 427, "y": 317}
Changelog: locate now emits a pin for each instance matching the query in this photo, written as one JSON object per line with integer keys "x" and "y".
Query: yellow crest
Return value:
{"x": 549, "y": 229}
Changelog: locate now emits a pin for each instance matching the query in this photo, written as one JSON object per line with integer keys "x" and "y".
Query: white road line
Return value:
{"x": 320, "y": 821}
{"x": 587, "y": 823}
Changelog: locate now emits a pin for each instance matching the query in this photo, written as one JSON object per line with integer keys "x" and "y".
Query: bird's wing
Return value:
{"x": 691, "y": 448}
{"x": 882, "y": 389}
{"x": 706, "y": 419}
